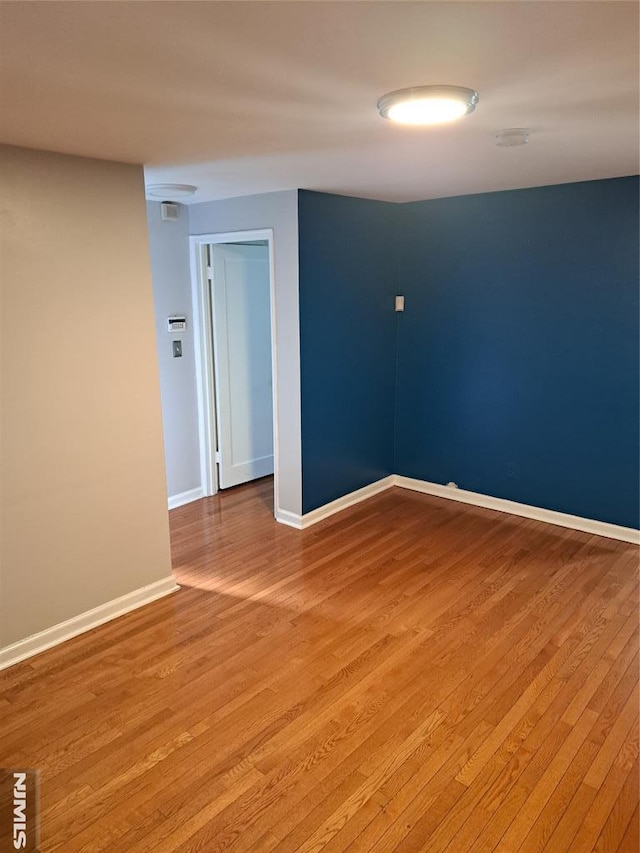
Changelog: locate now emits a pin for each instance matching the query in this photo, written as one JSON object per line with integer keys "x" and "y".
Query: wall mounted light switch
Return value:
{"x": 177, "y": 349}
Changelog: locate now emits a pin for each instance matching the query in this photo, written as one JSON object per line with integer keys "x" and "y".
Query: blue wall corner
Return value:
{"x": 348, "y": 274}
{"x": 518, "y": 352}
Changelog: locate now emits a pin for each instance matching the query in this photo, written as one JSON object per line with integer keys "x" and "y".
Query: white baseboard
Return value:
{"x": 85, "y": 622}
{"x": 560, "y": 519}
{"x": 301, "y": 522}
{"x": 186, "y": 497}
{"x": 291, "y": 519}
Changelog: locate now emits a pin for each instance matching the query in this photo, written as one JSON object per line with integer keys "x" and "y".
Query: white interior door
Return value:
{"x": 241, "y": 323}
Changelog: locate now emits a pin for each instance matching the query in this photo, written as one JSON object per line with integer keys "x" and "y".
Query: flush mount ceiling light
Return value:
{"x": 428, "y": 104}
{"x": 170, "y": 192}
{"x": 511, "y": 136}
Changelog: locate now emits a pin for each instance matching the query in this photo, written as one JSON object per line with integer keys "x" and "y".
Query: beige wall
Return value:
{"x": 84, "y": 512}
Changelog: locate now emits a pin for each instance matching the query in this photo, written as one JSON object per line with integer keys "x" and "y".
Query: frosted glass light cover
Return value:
{"x": 428, "y": 104}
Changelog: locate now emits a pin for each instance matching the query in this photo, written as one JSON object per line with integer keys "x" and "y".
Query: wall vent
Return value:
{"x": 169, "y": 211}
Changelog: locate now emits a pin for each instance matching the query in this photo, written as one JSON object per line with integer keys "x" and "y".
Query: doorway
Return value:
{"x": 234, "y": 323}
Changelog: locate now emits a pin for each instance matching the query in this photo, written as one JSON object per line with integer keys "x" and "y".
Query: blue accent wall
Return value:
{"x": 347, "y": 258}
{"x": 518, "y": 350}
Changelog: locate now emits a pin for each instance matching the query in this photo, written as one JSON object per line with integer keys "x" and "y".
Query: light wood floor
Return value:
{"x": 411, "y": 675}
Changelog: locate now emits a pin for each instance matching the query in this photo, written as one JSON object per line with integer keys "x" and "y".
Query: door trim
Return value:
{"x": 202, "y": 332}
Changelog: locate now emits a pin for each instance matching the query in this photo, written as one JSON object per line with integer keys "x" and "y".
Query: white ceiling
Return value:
{"x": 242, "y": 97}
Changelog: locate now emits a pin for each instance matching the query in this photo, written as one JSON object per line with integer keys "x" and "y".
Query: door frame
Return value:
{"x": 203, "y": 351}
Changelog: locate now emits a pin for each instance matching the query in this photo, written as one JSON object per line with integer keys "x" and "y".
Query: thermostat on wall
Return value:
{"x": 176, "y": 324}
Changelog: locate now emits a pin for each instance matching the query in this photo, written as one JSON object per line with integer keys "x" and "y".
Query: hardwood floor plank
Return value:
{"x": 626, "y": 725}
{"x": 631, "y": 840}
{"x": 617, "y": 823}
{"x": 541, "y": 793}
{"x": 409, "y": 675}
{"x": 601, "y": 809}
{"x": 559, "y": 800}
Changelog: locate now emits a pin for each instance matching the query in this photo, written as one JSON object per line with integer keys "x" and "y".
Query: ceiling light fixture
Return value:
{"x": 170, "y": 192}
{"x": 428, "y": 104}
{"x": 511, "y": 136}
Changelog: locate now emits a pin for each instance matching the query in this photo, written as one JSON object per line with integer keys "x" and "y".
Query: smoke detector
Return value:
{"x": 170, "y": 192}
